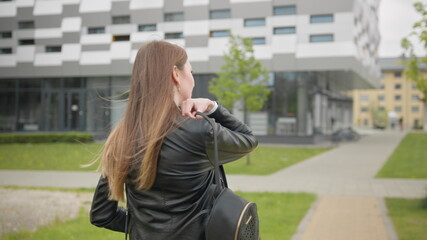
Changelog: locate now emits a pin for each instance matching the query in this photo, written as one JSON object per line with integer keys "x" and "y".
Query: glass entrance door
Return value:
{"x": 74, "y": 111}
{"x": 64, "y": 110}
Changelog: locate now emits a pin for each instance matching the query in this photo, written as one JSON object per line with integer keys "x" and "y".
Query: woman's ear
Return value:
{"x": 175, "y": 78}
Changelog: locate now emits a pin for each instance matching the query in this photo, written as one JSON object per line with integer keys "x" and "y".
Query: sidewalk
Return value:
{"x": 349, "y": 169}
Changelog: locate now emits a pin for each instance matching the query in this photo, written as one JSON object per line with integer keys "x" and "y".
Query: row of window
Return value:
{"x": 179, "y": 35}
{"x": 179, "y": 16}
{"x": 396, "y": 109}
{"x": 365, "y": 98}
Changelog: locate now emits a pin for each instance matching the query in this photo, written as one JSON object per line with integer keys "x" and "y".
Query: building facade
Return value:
{"x": 396, "y": 105}
{"x": 63, "y": 62}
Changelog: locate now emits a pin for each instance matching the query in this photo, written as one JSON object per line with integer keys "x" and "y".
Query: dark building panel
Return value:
{"x": 251, "y": 10}
{"x": 173, "y": 6}
{"x": 121, "y": 67}
{"x": 48, "y": 41}
{"x": 24, "y": 13}
{"x": 70, "y": 69}
{"x": 219, "y": 4}
{"x": 196, "y": 41}
{"x": 8, "y": 72}
{"x": 70, "y": 10}
{"x": 48, "y": 21}
{"x": 326, "y": 7}
{"x": 95, "y": 70}
{"x": 196, "y": 13}
{"x": 100, "y": 47}
{"x": 25, "y": 69}
{"x": 283, "y": 62}
{"x": 46, "y": 71}
{"x": 98, "y": 19}
{"x": 120, "y": 8}
{"x": 147, "y": 16}
{"x": 71, "y": 37}
{"x": 199, "y": 67}
{"x": 8, "y": 24}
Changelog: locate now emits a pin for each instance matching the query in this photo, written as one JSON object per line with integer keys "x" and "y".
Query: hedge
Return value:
{"x": 70, "y": 137}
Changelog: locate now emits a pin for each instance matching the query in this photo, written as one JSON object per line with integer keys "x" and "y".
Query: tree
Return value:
{"x": 242, "y": 78}
{"x": 413, "y": 63}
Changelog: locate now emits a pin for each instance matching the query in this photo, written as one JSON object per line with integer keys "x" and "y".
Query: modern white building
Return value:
{"x": 61, "y": 60}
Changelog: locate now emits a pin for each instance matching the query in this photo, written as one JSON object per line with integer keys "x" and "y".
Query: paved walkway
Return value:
{"x": 349, "y": 169}
{"x": 350, "y": 204}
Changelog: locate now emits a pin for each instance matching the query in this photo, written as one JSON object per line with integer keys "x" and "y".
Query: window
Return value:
{"x": 414, "y": 86}
{"x": 366, "y": 122}
{"x": 416, "y": 123}
{"x": 415, "y": 97}
{"x": 26, "y": 25}
{"x": 147, "y": 28}
{"x": 284, "y": 30}
{"x": 381, "y": 109}
{"x": 256, "y": 22}
{"x": 174, "y": 17}
{"x": 398, "y": 109}
{"x": 219, "y": 14}
{"x": 285, "y": 10}
{"x": 381, "y": 86}
{"x": 176, "y": 35}
{"x": 258, "y": 41}
{"x": 121, "y": 19}
{"x": 364, "y": 98}
{"x": 5, "y": 35}
{"x": 397, "y": 97}
{"x": 381, "y": 98}
{"x": 5, "y": 51}
{"x": 53, "y": 49}
{"x": 220, "y": 33}
{"x": 322, "y": 38}
{"x": 96, "y": 30}
{"x": 121, "y": 38}
{"x": 397, "y": 74}
{"x": 322, "y": 18}
{"x": 415, "y": 109}
{"x": 26, "y": 42}
{"x": 398, "y": 86}
{"x": 364, "y": 109}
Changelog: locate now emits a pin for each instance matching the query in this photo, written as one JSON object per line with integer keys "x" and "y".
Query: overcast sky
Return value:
{"x": 396, "y": 19}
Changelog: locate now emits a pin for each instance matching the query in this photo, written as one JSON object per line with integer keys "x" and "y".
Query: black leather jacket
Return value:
{"x": 177, "y": 205}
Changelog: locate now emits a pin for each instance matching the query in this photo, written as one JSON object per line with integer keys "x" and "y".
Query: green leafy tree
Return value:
{"x": 412, "y": 63}
{"x": 379, "y": 117}
{"x": 242, "y": 79}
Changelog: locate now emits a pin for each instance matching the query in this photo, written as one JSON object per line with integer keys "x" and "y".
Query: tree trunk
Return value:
{"x": 246, "y": 121}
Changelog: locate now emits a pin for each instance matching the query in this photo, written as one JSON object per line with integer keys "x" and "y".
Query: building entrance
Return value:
{"x": 64, "y": 110}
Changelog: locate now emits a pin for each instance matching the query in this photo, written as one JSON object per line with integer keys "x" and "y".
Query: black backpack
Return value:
{"x": 231, "y": 217}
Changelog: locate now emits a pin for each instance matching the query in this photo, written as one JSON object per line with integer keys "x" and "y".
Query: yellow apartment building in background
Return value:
{"x": 395, "y": 105}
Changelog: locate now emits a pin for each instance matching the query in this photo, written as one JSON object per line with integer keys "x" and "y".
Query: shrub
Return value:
{"x": 70, "y": 137}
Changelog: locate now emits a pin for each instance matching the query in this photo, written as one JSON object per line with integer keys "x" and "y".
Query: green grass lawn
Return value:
{"x": 409, "y": 219}
{"x": 280, "y": 215}
{"x": 409, "y": 159}
{"x": 70, "y": 157}
{"x": 267, "y": 160}
{"x": 49, "y": 156}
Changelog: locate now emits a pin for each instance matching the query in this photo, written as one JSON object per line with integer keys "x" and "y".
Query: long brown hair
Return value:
{"x": 149, "y": 117}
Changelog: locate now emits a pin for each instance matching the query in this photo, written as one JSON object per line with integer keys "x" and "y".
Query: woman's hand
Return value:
{"x": 191, "y": 106}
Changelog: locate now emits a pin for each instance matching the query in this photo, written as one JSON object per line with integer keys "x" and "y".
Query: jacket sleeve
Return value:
{"x": 104, "y": 212}
{"x": 235, "y": 139}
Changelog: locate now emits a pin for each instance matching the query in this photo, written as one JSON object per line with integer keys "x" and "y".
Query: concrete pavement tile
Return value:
{"x": 349, "y": 218}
